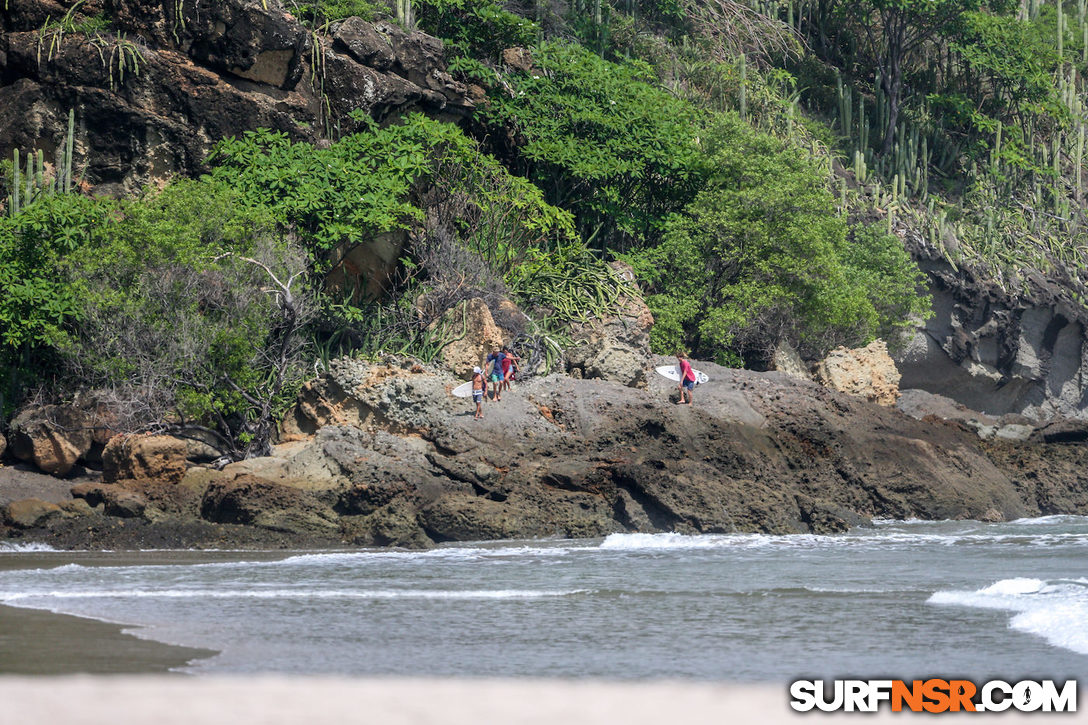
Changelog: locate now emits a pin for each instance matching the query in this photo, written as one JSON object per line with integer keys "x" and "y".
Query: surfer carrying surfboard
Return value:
{"x": 478, "y": 392}
{"x": 687, "y": 379}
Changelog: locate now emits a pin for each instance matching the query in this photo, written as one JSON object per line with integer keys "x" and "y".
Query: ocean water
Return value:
{"x": 901, "y": 599}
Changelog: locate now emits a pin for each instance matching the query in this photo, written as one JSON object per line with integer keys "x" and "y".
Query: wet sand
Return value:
{"x": 36, "y": 642}
{"x": 33, "y": 642}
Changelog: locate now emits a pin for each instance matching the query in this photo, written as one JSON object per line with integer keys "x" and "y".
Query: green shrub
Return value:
{"x": 475, "y": 28}
{"x": 181, "y": 314}
{"x": 604, "y": 141}
{"x": 761, "y": 255}
{"x": 320, "y": 12}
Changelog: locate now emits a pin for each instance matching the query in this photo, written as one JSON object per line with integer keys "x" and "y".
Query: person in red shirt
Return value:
{"x": 509, "y": 367}
{"x": 687, "y": 379}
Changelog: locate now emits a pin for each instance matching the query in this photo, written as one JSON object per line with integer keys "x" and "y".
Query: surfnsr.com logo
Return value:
{"x": 933, "y": 695}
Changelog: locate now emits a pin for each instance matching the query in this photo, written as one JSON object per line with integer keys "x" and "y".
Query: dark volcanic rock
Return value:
{"x": 996, "y": 351}
{"x": 758, "y": 452}
{"x": 206, "y": 70}
{"x": 257, "y": 502}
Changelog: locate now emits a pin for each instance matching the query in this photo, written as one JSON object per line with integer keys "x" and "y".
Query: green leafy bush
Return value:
{"x": 37, "y": 303}
{"x": 603, "y": 140}
{"x": 320, "y": 12}
{"x": 761, "y": 255}
{"x": 475, "y": 28}
{"x": 190, "y": 313}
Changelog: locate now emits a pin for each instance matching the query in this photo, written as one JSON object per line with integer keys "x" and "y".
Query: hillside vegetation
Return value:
{"x": 764, "y": 167}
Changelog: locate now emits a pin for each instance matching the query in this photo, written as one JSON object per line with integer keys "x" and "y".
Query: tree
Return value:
{"x": 761, "y": 255}
{"x": 897, "y": 32}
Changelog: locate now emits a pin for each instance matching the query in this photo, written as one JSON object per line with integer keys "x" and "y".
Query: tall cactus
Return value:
{"x": 30, "y": 183}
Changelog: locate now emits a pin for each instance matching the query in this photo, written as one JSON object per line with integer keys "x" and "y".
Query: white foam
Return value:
{"x": 1056, "y": 610}
{"x": 628, "y": 542}
{"x": 1060, "y": 519}
{"x": 14, "y": 597}
{"x": 465, "y": 553}
{"x": 8, "y": 547}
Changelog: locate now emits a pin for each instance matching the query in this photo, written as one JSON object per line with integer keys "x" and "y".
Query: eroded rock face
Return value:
{"x": 51, "y": 437}
{"x": 787, "y": 361}
{"x": 207, "y": 70}
{"x": 867, "y": 372}
{"x": 247, "y": 499}
{"x": 617, "y": 347}
{"x": 474, "y": 334}
{"x": 999, "y": 353}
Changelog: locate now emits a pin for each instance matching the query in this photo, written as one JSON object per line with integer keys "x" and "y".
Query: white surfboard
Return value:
{"x": 672, "y": 372}
{"x": 464, "y": 390}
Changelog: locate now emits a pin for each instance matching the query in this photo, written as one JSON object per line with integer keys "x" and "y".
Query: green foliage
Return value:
{"x": 602, "y": 140}
{"x": 344, "y": 194}
{"x": 478, "y": 29}
{"x": 570, "y": 283}
{"x": 760, "y": 255}
{"x": 174, "y": 309}
{"x": 37, "y": 301}
{"x": 322, "y": 12}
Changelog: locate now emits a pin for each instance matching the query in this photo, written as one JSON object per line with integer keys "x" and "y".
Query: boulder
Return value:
{"x": 472, "y": 335}
{"x": 156, "y": 458}
{"x": 3, "y": 445}
{"x": 30, "y": 513}
{"x": 867, "y": 372}
{"x": 52, "y": 437}
{"x": 615, "y": 347}
{"x": 518, "y": 59}
{"x": 414, "y": 56}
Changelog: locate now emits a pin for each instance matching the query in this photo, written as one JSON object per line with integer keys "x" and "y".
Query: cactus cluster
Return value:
{"x": 30, "y": 183}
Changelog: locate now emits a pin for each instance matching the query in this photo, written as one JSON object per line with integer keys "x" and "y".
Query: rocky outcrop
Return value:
{"x": 115, "y": 500}
{"x": 560, "y": 456}
{"x": 867, "y": 372}
{"x": 3, "y": 445}
{"x": 472, "y": 334}
{"x": 615, "y": 346}
{"x": 787, "y": 361}
{"x": 53, "y": 437}
{"x": 999, "y": 352}
{"x": 195, "y": 72}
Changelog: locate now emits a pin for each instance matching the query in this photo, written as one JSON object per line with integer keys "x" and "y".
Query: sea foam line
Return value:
{"x": 13, "y": 597}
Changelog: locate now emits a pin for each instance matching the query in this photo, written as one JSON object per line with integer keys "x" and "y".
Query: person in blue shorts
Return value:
{"x": 687, "y": 379}
{"x": 478, "y": 387}
{"x": 493, "y": 365}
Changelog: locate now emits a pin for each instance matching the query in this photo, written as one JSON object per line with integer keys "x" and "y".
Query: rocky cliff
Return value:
{"x": 155, "y": 84}
{"x": 999, "y": 351}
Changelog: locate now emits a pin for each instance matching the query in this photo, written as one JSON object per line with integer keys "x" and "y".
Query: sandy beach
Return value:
{"x": 289, "y": 701}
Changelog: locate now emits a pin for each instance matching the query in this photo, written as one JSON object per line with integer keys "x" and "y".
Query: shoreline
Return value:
{"x": 40, "y": 642}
